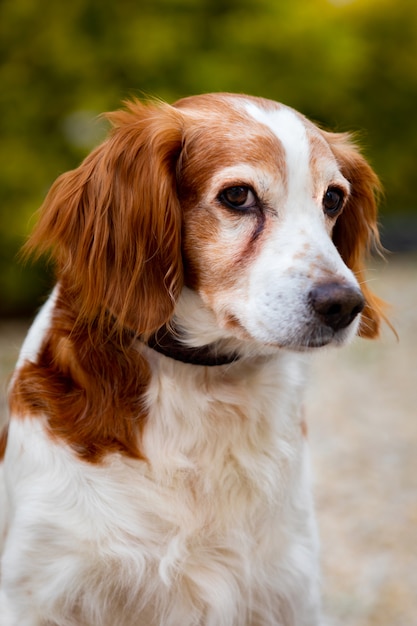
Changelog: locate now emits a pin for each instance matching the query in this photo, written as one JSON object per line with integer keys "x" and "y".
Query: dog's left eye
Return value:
{"x": 239, "y": 197}
{"x": 333, "y": 201}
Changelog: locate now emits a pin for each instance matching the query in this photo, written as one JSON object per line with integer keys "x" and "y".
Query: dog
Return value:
{"x": 155, "y": 464}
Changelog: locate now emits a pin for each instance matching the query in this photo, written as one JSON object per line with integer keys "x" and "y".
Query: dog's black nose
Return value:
{"x": 336, "y": 304}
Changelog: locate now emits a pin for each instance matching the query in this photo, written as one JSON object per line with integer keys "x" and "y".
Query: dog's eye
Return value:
{"x": 333, "y": 201}
{"x": 239, "y": 197}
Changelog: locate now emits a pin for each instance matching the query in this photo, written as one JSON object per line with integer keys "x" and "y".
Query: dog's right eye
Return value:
{"x": 240, "y": 197}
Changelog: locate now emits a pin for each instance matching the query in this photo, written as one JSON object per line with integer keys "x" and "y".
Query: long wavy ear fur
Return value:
{"x": 356, "y": 230}
{"x": 113, "y": 226}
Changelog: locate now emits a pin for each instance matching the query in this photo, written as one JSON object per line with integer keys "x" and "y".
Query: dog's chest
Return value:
{"x": 208, "y": 518}
{"x": 224, "y": 456}
{"x": 210, "y": 512}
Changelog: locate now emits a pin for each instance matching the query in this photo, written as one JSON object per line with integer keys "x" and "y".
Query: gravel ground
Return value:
{"x": 362, "y": 413}
{"x": 362, "y": 408}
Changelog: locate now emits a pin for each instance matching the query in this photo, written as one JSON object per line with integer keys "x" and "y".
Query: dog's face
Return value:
{"x": 261, "y": 191}
{"x": 263, "y": 216}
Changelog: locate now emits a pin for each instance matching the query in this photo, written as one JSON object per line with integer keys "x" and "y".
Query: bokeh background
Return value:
{"x": 347, "y": 64}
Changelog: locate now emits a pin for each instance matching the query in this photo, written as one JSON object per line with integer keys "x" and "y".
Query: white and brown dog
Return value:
{"x": 155, "y": 467}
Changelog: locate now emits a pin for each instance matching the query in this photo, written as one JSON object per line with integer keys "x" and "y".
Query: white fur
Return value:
{"x": 217, "y": 529}
{"x": 29, "y": 350}
{"x": 37, "y": 331}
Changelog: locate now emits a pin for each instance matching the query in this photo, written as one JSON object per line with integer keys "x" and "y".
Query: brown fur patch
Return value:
{"x": 320, "y": 153}
{"x": 304, "y": 429}
{"x": 113, "y": 225}
{"x": 89, "y": 386}
{"x": 219, "y": 134}
{"x": 3, "y": 441}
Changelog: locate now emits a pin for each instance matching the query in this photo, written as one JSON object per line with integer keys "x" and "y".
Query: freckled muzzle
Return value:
{"x": 336, "y": 304}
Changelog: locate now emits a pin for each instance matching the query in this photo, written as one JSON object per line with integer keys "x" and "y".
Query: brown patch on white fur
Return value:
{"x": 302, "y": 252}
{"x": 88, "y": 385}
{"x": 304, "y": 428}
{"x": 3, "y": 441}
{"x": 218, "y": 128}
{"x": 233, "y": 323}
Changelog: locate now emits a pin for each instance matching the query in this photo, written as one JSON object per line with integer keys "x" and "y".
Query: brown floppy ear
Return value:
{"x": 113, "y": 226}
{"x": 356, "y": 231}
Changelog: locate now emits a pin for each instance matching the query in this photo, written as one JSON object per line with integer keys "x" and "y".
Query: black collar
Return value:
{"x": 166, "y": 342}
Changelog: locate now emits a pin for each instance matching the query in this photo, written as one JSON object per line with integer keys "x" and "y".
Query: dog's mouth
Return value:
{"x": 312, "y": 343}
{"x": 319, "y": 336}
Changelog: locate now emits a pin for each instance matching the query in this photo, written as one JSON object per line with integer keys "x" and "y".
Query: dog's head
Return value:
{"x": 239, "y": 202}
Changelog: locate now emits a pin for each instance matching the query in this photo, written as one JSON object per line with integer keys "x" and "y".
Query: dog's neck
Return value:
{"x": 168, "y": 342}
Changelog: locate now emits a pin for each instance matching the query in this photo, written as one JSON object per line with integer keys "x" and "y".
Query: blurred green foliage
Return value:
{"x": 350, "y": 65}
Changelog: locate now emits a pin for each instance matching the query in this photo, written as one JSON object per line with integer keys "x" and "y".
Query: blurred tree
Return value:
{"x": 348, "y": 65}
